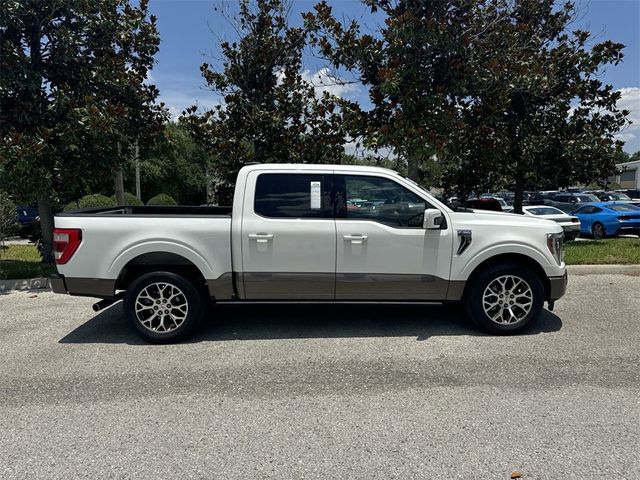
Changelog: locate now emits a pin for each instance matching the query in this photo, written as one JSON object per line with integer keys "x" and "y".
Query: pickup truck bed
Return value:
{"x": 152, "y": 210}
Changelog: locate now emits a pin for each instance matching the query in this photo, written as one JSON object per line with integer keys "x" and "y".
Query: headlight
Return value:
{"x": 555, "y": 243}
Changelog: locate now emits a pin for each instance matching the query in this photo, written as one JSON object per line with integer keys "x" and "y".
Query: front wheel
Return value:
{"x": 504, "y": 299}
{"x": 163, "y": 307}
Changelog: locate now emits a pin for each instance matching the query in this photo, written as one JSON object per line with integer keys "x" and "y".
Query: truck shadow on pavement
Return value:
{"x": 270, "y": 322}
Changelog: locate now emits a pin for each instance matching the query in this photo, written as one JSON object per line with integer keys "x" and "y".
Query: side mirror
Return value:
{"x": 433, "y": 219}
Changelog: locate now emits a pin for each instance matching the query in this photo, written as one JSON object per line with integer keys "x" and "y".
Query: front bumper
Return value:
{"x": 557, "y": 286}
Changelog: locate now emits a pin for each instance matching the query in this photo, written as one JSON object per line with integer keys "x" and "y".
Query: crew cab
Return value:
{"x": 318, "y": 233}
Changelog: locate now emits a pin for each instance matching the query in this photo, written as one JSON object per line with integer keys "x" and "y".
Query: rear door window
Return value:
{"x": 293, "y": 195}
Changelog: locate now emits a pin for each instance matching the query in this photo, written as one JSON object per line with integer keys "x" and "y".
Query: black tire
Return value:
{"x": 475, "y": 295}
{"x": 184, "y": 292}
{"x": 597, "y": 231}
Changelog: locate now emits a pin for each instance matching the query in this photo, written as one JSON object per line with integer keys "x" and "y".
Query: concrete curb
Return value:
{"x": 39, "y": 283}
{"x": 42, "y": 283}
{"x": 603, "y": 270}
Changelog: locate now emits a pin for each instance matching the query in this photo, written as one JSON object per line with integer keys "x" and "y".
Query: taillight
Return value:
{"x": 65, "y": 243}
{"x": 575, "y": 220}
{"x": 623, "y": 217}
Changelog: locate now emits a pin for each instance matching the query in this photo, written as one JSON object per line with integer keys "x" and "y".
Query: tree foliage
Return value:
{"x": 501, "y": 91}
{"x": 538, "y": 110}
{"x": 269, "y": 113}
{"x": 8, "y": 217}
{"x": 416, "y": 68}
{"x": 162, "y": 199}
{"x": 72, "y": 80}
{"x": 176, "y": 165}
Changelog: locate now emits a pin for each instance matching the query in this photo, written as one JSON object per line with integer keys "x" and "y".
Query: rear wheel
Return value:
{"x": 504, "y": 299}
{"x": 164, "y": 307}
{"x": 597, "y": 230}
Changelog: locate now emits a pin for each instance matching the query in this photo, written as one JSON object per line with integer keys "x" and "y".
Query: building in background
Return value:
{"x": 629, "y": 176}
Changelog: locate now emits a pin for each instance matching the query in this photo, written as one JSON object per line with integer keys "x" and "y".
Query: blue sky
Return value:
{"x": 191, "y": 30}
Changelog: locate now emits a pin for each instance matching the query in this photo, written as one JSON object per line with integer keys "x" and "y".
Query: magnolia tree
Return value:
{"x": 268, "y": 112}
{"x": 72, "y": 89}
{"x": 500, "y": 91}
{"x": 538, "y": 110}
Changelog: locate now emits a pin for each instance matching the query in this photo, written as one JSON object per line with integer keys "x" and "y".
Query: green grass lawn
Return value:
{"x": 611, "y": 251}
{"x": 22, "y": 261}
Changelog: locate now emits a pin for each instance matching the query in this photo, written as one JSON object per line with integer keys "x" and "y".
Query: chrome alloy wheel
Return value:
{"x": 507, "y": 299}
{"x": 161, "y": 307}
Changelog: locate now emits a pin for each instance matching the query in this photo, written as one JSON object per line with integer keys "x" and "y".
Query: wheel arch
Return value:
{"x": 158, "y": 261}
{"x": 509, "y": 259}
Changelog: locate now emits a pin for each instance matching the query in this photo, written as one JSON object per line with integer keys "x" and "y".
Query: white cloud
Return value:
{"x": 325, "y": 81}
{"x": 630, "y": 100}
{"x": 177, "y": 101}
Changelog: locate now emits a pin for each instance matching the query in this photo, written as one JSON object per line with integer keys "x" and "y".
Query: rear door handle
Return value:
{"x": 356, "y": 239}
{"x": 261, "y": 237}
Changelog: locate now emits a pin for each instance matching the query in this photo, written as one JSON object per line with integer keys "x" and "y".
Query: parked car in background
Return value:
{"x": 603, "y": 219}
{"x": 504, "y": 206}
{"x": 568, "y": 202}
{"x": 27, "y": 218}
{"x": 634, "y": 194}
{"x": 486, "y": 203}
{"x": 611, "y": 196}
{"x": 508, "y": 197}
{"x": 569, "y": 223}
{"x": 537, "y": 198}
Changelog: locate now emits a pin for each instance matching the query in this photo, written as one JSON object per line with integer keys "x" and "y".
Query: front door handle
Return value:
{"x": 356, "y": 239}
{"x": 261, "y": 237}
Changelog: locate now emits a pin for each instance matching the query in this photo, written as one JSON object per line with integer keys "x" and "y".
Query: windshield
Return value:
{"x": 587, "y": 198}
{"x": 545, "y": 211}
{"x": 619, "y": 196}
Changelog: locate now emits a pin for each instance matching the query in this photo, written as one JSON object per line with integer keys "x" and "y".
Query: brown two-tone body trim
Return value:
{"x": 83, "y": 287}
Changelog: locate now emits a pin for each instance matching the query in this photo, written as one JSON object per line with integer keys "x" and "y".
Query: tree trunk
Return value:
{"x": 136, "y": 156}
{"x": 46, "y": 226}
{"x": 118, "y": 184}
{"x": 413, "y": 162}
{"x": 517, "y": 198}
{"x": 208, "y": 181}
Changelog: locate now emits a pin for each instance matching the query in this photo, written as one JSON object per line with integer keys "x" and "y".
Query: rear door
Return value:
{"x": 288, "y": 236}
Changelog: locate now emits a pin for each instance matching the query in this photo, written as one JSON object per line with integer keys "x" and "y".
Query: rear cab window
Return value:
{"x": 293, "y": 195}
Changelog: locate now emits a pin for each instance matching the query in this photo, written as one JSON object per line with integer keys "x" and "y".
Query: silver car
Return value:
{"x": 569, "y": 223}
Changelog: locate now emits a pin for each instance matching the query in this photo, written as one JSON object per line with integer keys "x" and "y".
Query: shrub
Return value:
{"x": 8, "y": 217}
{"x": 162, "y": 199}
{"x": 129, "y": 199}
{"x": 95, "y": 200}
{"x": 70, "y": 206}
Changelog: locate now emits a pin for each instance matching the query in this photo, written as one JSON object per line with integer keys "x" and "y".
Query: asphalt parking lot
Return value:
{"x": 324, "y": 392}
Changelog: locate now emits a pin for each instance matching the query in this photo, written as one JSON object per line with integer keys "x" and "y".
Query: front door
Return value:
{"x": 383, "y": 251}
{"x": 289, "y": 237}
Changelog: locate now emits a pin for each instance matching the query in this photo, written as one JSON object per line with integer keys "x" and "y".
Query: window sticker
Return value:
{"x": 316, "y": 202}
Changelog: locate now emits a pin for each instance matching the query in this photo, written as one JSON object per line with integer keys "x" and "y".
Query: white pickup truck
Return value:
{"x": 309, "y": 233}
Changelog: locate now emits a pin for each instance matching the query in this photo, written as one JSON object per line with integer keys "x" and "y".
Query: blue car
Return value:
{"x": 27, "y": 218}
{"x": 601, "y": 219}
